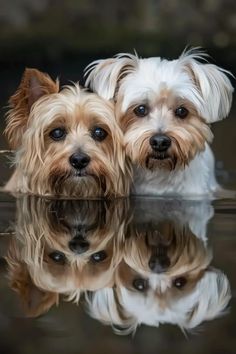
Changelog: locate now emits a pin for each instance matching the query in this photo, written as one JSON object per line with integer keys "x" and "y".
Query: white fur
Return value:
{"x": 197, "y": 178}
{"x": 207, "y": 300}
{"x": 133, "y": 80}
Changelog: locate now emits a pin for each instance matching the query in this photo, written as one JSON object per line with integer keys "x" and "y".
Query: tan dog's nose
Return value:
{"x": 78, "y": 245}
{"x": 79, "y": 160}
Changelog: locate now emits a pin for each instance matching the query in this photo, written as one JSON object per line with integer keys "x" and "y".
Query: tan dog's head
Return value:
{"x": 163, "y": 107}
{"x": 67, "y": 143}
{"x": 63, "y": 247}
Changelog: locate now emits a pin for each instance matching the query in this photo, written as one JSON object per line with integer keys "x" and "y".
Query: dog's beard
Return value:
{"x": 169, "y": 160}
{"x": 57, "y": 178}
{"x": 160, "y": 161}
{"x": 80, "y": 182}
{"x": 186, "y": 142}
{"x": 178, "y": 156}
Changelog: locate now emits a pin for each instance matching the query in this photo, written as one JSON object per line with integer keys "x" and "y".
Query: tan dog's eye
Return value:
{"x": 181, "y": 112}
{"x": 141, "y": 111}
{"x": 58, "y": 257}
{"x": 180, "y": 282}
{"x": 58, "y": 134}
{"x": 140, "y": 284}
{"x": 99, "y": 256}
{"x": 98, "y": 134}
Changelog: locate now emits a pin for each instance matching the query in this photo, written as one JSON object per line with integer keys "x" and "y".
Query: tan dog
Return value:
{"x": 67, "y": 143}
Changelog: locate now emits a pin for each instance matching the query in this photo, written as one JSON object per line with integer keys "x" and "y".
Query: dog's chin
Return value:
{"x": 160, "y": 160}
{"x": 88, "y": 176}
{"x": 83, "y": 175}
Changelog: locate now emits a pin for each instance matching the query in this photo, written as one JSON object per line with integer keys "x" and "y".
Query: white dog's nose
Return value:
{"x": 160, "y": 143}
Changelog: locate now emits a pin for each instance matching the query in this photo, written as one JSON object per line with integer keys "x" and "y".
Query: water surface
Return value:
{"x": 135, "y": 275}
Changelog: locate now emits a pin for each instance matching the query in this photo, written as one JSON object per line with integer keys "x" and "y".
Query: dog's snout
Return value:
{"x": 159, "y": 264}
{"x": 78, "y": 245}
{"x": 79, "y": 160}
{"x": 160, "y": 143}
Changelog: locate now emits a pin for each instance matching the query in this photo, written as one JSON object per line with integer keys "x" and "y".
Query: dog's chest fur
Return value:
{"x": 196, "y": 178}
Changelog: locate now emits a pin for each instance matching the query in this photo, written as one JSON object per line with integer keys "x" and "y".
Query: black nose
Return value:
{"x": 159, "y": 264}
{"x": 159, "y": 142}
{"x": 78, "y": 245}
{"x": 79, "y": 160}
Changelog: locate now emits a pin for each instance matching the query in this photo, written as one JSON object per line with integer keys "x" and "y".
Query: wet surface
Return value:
{"x": 131, "y": 275}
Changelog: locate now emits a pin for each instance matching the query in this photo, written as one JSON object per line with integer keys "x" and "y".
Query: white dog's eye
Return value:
{"x": 98, "y": 134}
{"x": 58, "y": 134}
{"x": 181, "y": 112}
{"x": 180, "y": 282}
{"x": 141, "y": 111}
{"x": 140, "y": 284}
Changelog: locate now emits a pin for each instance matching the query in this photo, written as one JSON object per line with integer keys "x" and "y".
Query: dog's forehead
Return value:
{"x": 151, "y": 78}
{"x": 72, "y": 110}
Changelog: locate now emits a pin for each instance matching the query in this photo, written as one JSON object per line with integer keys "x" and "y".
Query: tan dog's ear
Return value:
{"x": 34, "y": 84}
{"x": 35, "y": 300}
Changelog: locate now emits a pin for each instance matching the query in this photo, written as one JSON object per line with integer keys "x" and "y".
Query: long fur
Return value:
{"x": 42, "y": 165}
{"x": 162, "y": 85}
{"x": 162, "y": 231}
{"x": 45, "y": 226}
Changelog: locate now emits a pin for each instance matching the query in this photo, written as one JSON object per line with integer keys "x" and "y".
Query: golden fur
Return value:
{"x": 42, "y": 164}
{"x": 45, "y": 228}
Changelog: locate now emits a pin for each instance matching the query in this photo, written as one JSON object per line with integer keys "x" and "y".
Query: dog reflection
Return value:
{"x": 62, "y": 247}
{"x": 164, "y": 277}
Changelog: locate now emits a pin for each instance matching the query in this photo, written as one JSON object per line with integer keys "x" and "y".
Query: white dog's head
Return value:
{"x": 125, "y": 308}
{"x": 164, "y": 277}
{"x": 163, "y": 106}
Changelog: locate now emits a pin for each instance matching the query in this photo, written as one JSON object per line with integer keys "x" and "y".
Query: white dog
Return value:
{"x": 164, "y": 108}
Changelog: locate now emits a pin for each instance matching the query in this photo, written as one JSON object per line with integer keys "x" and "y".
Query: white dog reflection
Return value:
{"x": 165, "y": 276}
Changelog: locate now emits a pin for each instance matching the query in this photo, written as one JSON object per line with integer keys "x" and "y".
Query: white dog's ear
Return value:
{"x": 214, "y": 85}
{"x": 104, "y": 306}
{"x": 213, "y": 294}
{"x": 103, "y": 76}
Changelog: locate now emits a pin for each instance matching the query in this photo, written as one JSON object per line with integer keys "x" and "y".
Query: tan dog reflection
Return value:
{"x": 164, "y": 278}
{"x": 62, "y": 247}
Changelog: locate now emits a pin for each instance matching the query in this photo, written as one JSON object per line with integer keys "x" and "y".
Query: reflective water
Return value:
{"x": 159, "y": 272}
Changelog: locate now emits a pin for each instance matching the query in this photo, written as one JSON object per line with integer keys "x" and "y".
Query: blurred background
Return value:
{"x": 62, "y": 36}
